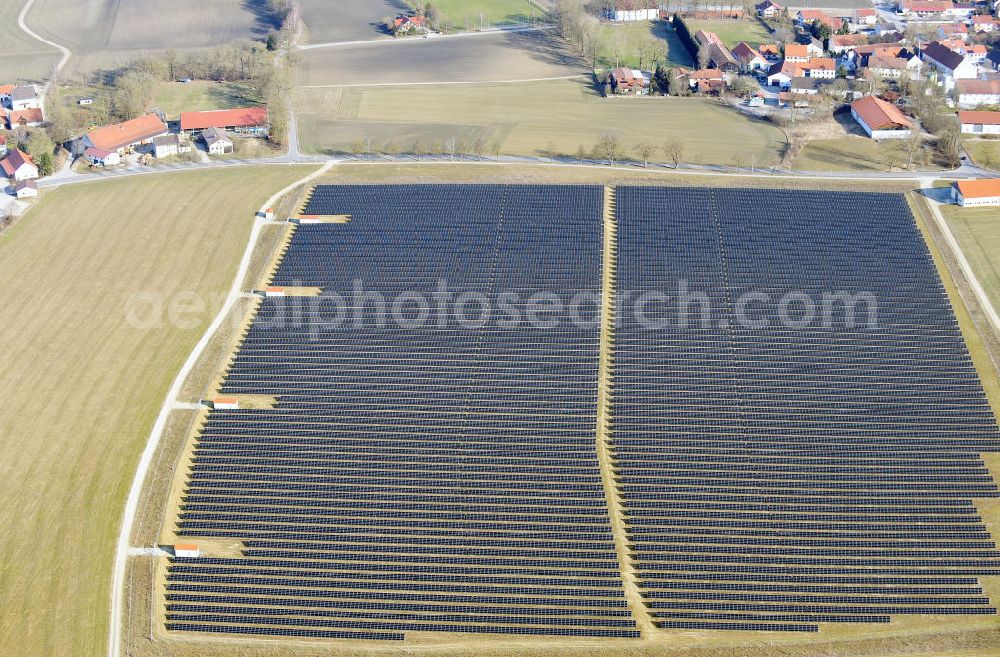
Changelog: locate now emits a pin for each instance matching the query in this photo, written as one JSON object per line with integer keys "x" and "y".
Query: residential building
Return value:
{"x": 796, "y": 52}
{"x": 891, "y": 67}
{"x": 3, "y": 145}
{"x": 769, "y": 9}
{"x": 402, "y": 25}
{"x": 769, "y": 51}
{"x": 165, "y": 146}
{"x": 974, "y": 193}
{"x": 26, "y": 189}
{"x": 634, "y": 10}
{"x": 973, "y": 93}
{"x": 781, "y": 74}
{"x": 250, "y": 120}
{"x": 840, "y": 43}
{"x": 123, "y": 136}
{"x": 880, "y": 119}
{"x": 102, "y": 157}
{"x": 750, "y": 60}
{"x": 18, "y": 166}
{"x": 30, "y": 118}
{"x": 217, "y": 142}
{"x": 985, "y": 23}
{"x": 953, "y": 31}
{"x": 24, "y": 97}
{"x": 979, "y": 123}
{"x": 949, "y": 63}
{"x": 807, "y": 86}
{"x": 819, "y": 67}
{"x": 629, "y": 82}
{"x": 924, "y": 8}
{"x": 865, "y": 17}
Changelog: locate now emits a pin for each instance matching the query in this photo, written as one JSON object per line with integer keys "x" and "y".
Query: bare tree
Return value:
{"x": 913, "y": 145}
{"x": 891, "y": 156}
{"x": 738, "y": 160}
{"x": 673, "y": 148}
{"x": 609, "y": 147}
{"x": 645, "y": 151}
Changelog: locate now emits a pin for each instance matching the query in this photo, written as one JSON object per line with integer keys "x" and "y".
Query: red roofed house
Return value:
{"x": 843, "y": 42}
{"x": 865, "y": 17}
{"x": 629, "y": 82}
{"x": 31, "y": 118}
{"x": 781, "y": 74}
{"x": 979, "y": 123}
{"x": 972, "y": 193}
{"x": 810, "y": 15}
{"x": 3, "y": 145}
{"x": 819, "y": 67}
{"x": 119, "y": 137}
{"x": 102, "y": 157}
{"x": 953, "y": 31}
{"x": 18, "y": 166}
{"x": 985, "y": 23}
{"x": 796, "y": 52}
{"x": 252, "y": 120}
{"x": 881, "y": 120}
{"x": 924, "y": 8}
{"x": 406, "y": 24}
{"x": 769, "y": 51}
{"x": 5, "y": 90}
{"x": 973, "y": 93}
{"x": 749, "y": 58}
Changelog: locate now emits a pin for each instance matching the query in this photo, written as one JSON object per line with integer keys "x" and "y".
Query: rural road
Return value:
{"x": 66, "y": 54}
{"x": 132, "y": 504}
{"x": 457, "y": 35}
{"x": 961, "y": 173}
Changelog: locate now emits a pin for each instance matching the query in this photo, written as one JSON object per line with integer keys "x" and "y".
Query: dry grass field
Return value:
{"x": 82, "y": 385}
{"x": 555, "y": 117}
{"x": 479, "y": 59}
{"x": 625, "y": 38}
{"x": 977, "y": 232}
{"x": 105, "y": 33}
{"x": 348, "y": 20}
{"x": 198, "y": 95}
{"x": 22, "y": 57}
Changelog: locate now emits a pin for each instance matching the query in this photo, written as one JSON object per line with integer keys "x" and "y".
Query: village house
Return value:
{"x": 880, "y": 119}
{"x": 893, "y": 68}
{"x": 102, "y": 157}
{"x": 750, "y": 60}
{"x": 953, "y": 31}
{"x": 217, "y": 142}
{"x": 819, "y": 67}
{"x": 18, "y": 166}
{"x": 949, "y": 63}
{"x": 923, "y": 8}
{"x": 707, "y": 80}
{"x": 840, "y": 43}
{"x": 121, "y": 137}
{"x": 25, "y": 118}
{"x": 979, "y": 123}
{"x": 796, "y": 52}
{"x": 984, "y": 23}
{"x": 26, "y": 189}
{"x": 629, "y": 82}
{"x": 3, "y": 145}
{"x": 245, "y": 120}
{"x": 769, "y": 51}
{"x": 781, "y": 74}
{"x": 864, "y": 17}
{"x": 975, "y": 193}
{"x": 5, "y": 90}
{"x": 806, "y": 86}
{"x": 769, "y": 9}
{"x": 165, "y": 146}
{"x": 973, "y": 93}
{"x": 402, "y": 25}
{"x": 24, "y": 97}
{"x": 634, "y": 10}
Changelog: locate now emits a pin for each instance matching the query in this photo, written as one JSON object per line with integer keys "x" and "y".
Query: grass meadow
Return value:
{"x": 82, "y": 385}
{"x": 537, "y": 118}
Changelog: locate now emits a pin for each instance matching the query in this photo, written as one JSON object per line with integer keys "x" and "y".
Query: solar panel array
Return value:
{"x": 436, "y": 476}
{"x": 777, "y": 472}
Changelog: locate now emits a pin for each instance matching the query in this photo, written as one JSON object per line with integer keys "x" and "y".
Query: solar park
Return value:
{"x": 444, "y": 477}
